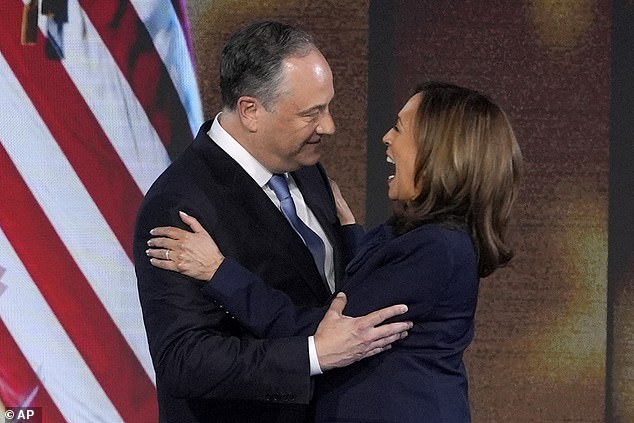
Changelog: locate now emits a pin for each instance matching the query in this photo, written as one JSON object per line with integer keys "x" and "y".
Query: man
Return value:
{"x": 276, "y": 89}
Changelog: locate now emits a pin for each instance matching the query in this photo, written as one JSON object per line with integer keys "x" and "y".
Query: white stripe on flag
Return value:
{"x": 108, "y": 94}
{"x": 81, "y": 227}
{"x": 166, "y": 31}
{"x": 46, "y": 346}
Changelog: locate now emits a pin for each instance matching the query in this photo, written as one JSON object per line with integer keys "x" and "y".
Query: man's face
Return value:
{"x": 290, "y": 132}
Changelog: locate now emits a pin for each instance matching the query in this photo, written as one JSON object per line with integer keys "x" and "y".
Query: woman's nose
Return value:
{"x": 386, "y": 139}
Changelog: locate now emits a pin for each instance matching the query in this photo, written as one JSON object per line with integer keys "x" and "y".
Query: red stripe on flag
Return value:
{"x": 18, "y": 380}
{"x": 130, "y": 44}
{"x": 71, "y": 298}
{"x": 75, "y": 129}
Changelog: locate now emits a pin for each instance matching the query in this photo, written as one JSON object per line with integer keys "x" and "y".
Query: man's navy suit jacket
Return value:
{"x": 208, "y": 367}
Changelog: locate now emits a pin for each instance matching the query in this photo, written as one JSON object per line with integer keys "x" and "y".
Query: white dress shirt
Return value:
{"x": 261, "y": 176}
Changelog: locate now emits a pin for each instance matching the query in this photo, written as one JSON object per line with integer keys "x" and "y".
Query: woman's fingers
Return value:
{"x": 191, "y": 221}
{"x": 159, "y": 242}
{"x": 163, "y": 264}
{"x": 193, "y": 253}
{"x": 159, "y": 253}
{"x": 169, "y": 232}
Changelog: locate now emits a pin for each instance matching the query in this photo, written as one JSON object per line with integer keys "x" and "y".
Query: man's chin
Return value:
{"x": 310, "y": 152}
{"x": 311, "y": 160}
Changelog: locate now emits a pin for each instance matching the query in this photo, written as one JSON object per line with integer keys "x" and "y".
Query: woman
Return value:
{"x": 457, "y": 168}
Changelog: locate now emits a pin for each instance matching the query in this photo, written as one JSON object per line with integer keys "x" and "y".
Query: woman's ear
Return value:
{"x": 248, "y": 108}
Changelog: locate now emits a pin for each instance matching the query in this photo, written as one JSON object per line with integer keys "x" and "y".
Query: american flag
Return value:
{"x": 96, "y": 97}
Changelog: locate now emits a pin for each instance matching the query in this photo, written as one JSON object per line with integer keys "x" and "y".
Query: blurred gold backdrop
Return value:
{"x": 540, "y": 348}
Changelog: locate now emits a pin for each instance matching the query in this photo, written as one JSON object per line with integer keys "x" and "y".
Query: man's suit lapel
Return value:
{"x": 314, "y": 194}
{"x": 259, "y": 212}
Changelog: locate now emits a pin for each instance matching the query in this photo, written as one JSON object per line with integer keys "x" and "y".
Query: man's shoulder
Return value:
{"x": 179, "y": 174}
{"x": 199, "y": 163}
{"x": 315, "y": 174}
{"x": 313, "y": 181}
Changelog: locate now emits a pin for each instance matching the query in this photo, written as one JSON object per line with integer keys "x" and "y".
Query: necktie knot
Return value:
{"x": 279, "y": 186}
{"x": 314, "y": 243}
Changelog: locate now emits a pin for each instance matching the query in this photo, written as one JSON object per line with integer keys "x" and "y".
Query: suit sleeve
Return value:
{"x": 416, "y": 269}
{"x": 352, "y": 237}
{"x": 197, "y": 349}
{"x": 265, "y": 311}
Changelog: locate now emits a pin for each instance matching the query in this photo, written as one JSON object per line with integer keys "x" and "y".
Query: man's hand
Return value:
{"x": 341, "y": 340}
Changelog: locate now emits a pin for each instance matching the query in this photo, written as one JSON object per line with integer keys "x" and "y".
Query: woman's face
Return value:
{"x": 402, "y": 148}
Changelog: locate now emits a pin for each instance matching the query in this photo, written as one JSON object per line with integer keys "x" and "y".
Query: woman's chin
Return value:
{"x": 391, "y": 190}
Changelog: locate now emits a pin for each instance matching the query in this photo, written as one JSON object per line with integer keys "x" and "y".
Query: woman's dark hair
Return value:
{"x": 468, "y": 168}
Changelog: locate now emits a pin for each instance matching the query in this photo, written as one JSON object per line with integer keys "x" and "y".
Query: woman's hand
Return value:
{"x": 343, "y": 210}
{"x": 193, "y": 253}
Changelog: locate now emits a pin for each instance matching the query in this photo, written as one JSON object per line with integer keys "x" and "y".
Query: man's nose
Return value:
{"x": 326, "y": 125}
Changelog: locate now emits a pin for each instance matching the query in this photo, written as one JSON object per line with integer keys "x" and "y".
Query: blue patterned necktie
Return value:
{"x": 314, "y": 243}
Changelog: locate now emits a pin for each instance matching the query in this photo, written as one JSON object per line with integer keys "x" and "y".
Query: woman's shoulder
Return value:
{"x": 447, "y": 243}
{"x": 437, "y": 233}
{"x": 441, "y": 241}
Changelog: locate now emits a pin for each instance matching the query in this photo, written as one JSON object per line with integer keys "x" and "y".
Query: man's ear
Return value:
{"x": 248, "y": 111}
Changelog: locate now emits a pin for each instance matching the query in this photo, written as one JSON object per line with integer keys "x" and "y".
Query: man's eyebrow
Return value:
{"x": 311, "y": 110}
